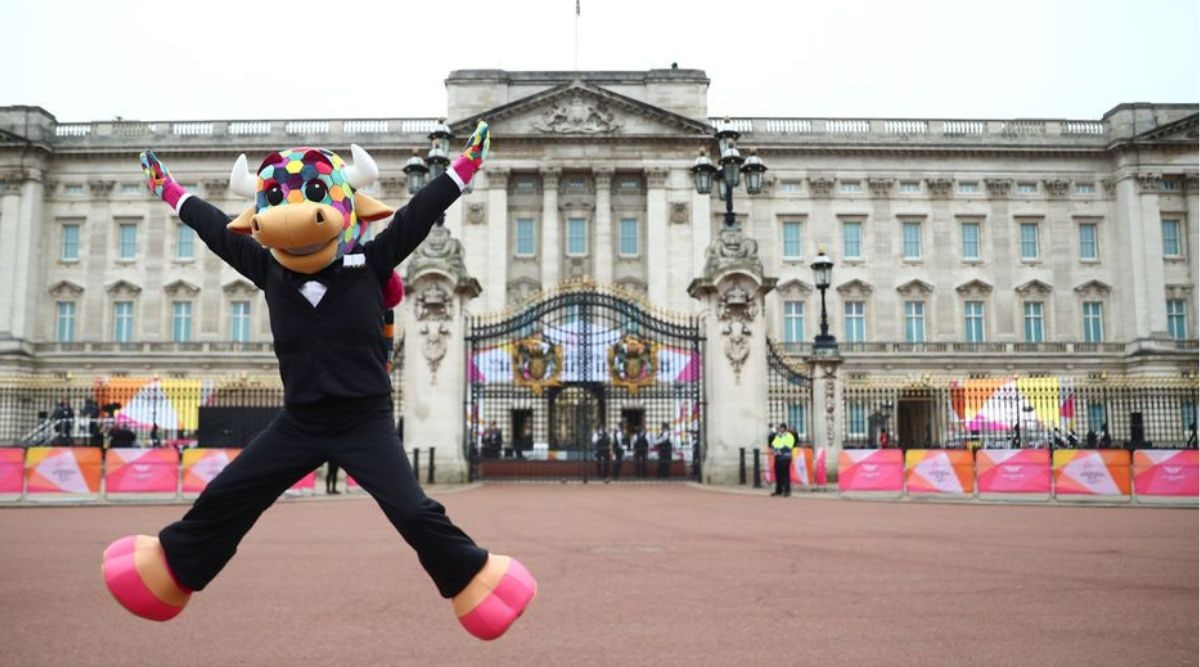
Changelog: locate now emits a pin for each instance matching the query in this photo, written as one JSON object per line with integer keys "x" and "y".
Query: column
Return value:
{"x": 29, "y": 225}
{"x": 998, "y": 257}
{"x": 497, "y": 252}
{"x": 827, "y": 410}
{"x": 657, "y": 248}
{"x": 551, "y": 247}
{"x": 1141, "y": 233}
{"x": 10, "y": 219}
{"x": 604, "y": 226}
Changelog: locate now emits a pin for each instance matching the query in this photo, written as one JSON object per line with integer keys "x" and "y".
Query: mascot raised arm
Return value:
{"x": 326, "y": 290}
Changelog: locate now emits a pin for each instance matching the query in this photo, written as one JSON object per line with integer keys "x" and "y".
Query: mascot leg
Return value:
{"x": 489, "y": 591}
{"x": 154, "y": 577}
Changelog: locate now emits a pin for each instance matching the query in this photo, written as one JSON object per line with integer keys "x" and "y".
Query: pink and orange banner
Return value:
{"x": 12, "y": 470}
{"x": 1165, "y": 472}
{"x": 944, "y": 471}
{"x": 870, "y": 470}
{"x": 802, "y": 467}
{"x": 62, "y": 470}
{"x": 1091, "y": 472}
{"x": 1013, "y": 470}
{"x": 200, "y": 466}
{"x": 133, "y": 470}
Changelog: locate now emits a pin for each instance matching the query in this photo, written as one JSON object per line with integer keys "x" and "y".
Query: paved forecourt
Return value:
{"x": 635, "y": 575}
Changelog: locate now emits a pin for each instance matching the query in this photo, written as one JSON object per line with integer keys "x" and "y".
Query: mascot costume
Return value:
{"x": 326, "y": 290}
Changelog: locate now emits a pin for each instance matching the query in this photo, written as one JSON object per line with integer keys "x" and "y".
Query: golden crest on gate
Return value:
{"x": 633, "y": 362}
{"x": 537, "y": 363}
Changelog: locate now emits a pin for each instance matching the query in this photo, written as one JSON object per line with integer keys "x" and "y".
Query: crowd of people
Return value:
{"x": 610, "y": 448}
{"x": 92, "y": 426}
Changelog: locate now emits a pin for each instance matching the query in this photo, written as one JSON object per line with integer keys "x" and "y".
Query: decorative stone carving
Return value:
{"x": 1110, "y": 185}
{"x": 737, "y": 308}
{"x": 855, "y": 289}
{"x": 433, "y": 310}
{"x": 974, "y": 288}
{"x": 1093, "y": 288}
{"x": 181, "y": 288}
{"x": 576, "y": 114}
{"x": 433, "y": 347}
{"x": 737, "y": 303}
{"x": 633, "y": 286}
{"x": 1179, "y": 292}
{"x": 521, "y": 290}
{"x": 239, "y": 286}
{"x": 603, "y": 177}
{"x": 101, "y": 188}
{"x": 656, "y": 177}
{"x": 880, "y": 186}
{"x": 737, "y": 346}
{"x": 795, "y": 287}
{"x": 998, "y": 188}
{"x": 440, "y": 250}
{"x": 1034, "y": 288}
{"x": 1191, "y": 183}
{"x": 476, "y": 213}
{"x": 915, "y": 288}
{"x": 939, "y": 187}
{"x": 821, "y": 186}
{"x": 679, "y": 213}
{"x": 1148, "y": 182}
{"x": 434, "y": 303}
{"x": 123, "y": 288}
{"x": 1057, "y": 188}
{"x": 731, "y": 249}
{"x": 65, "y": 288}
{"x": 576, "y": 269}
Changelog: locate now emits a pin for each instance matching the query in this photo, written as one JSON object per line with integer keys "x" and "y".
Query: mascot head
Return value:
{"x": 306, "y": 206}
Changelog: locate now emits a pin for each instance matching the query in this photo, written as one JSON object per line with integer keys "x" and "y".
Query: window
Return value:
{"x": 577, "y": 237}
{"x": 73, "y": 189}
{"x": 628, "y": 238}
{"x": 239, "y": 321}
{"x": 629, "y": 183}
{"x": 1093, "y": 326}
{"x": 181, "y": 321}
{"x": 70, "y": 243}
{"x": 1029, "y": 241}
{"x": 1170, "y": 234}
{"x": 122, "y": 321}
{"x": 64, "y": 324}
{"x": 127, "y": 241}
{"x": 524, "y": 238}
{"x": 914, "y": 321}
{"x": 857, "y": 416}
{"x": 910, "y": 186}
{"x": 1165, "y": 185}
{"x": 912, "y": 240}
{"x": 793, "y": 321}
{"x": 1034, "y": 326}
{"x": 576, "y": 183}
{"x": 1097, "y": 416}
{"x": 797, "y": 418}
{"x": 856, "y": 322}
{"x": 526, "y": 185}
{"x": 185, "y": 242}
{"x": 1027, "y": 188}
{"x": 850, "y": 186}
{"x": 793, "y": 239}
{"x": 131, "y": 189}
{"x": 851, "y": 240}
{"x": 1085, "y": 188}
{"x": 1177, "y": 319}
{"x": 1087, "y": 241}
{"x": 968, "y": 187}
{"x": 789, "y": 186}
{"x": 973, "y": 319}
{"x": 970, "y": 240}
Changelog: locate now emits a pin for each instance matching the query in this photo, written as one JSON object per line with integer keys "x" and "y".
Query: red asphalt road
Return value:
{"x": 635, "y": 575}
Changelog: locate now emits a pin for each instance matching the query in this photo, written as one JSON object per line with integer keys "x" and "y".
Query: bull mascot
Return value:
{"x": 326, "y": 290}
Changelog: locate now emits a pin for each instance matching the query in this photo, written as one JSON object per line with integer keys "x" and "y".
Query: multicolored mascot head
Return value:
{"x": 307, "y": 208}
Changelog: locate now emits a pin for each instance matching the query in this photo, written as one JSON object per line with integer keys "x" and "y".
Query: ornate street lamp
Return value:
{"x": 439, "y": 150}
{"x": 822, "y": 268}
{"x": 417, "y": 172}
{"x": 728, "y": 174}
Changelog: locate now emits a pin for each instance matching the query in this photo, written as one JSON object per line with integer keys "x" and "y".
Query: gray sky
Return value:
{"x": 216, "y": 59}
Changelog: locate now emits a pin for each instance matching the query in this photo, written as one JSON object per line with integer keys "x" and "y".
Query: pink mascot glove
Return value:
{"x": 159, "y": 181}
{"x": 474, "y": 154}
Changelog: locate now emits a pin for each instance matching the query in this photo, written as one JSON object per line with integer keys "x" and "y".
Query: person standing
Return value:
{"x": 602, "y": 444}
{"x": 619, "y": 440}
{"x": 641, "y": 450}
{"x": 64, "y": 423}
{"x": 782, "y": 445}
{"x": 492, "y": 441}
{"x": 91, "y": 412}
{"x": 662, "y": 444}
{"x": 331, "y": 475}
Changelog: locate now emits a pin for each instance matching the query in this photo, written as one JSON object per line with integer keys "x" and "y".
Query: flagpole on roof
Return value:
{"x": 577, "y": 35}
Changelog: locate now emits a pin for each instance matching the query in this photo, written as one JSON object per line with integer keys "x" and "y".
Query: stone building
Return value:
{"x": 962, "y": 249}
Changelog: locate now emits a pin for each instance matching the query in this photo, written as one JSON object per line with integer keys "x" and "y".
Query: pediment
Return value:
{"x": 65, "y": 288}
{"x": 854, "y": 287}
{"x": 1034, "y": 286}
{"x": 915, "y": 287}
{"x": 794, "y": 286}
{"x": 1185, "y": 130}
{"x": 123, "y": 287}
{"x": 1094, "y": 287}
{"x": 238, "y": 285}
{"x": 579, "y": 109}
{"x": 181, "y": 287}
{"x": 974, "y": 287}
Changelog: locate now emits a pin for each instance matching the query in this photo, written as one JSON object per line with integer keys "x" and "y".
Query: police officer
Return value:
{"x": 619, "y": 442}
{"x": 641, "y": 449}
{"x": 782, "y": 445}
{"x": 603, "y": 446}
{"x": 662, "y": 443}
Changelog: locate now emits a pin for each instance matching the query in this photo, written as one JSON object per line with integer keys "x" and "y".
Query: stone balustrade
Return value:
{"x": 274, "y": 132}
{"x": 1004, "y": 348}
{"x": 885, "y": 130}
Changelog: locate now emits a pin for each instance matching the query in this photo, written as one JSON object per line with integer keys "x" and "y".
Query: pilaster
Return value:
{"x": 604, "y": 226}
{"x": 551, "y": 247}
{"x": 498, "y": 252}
{"x": 656, "y": 235}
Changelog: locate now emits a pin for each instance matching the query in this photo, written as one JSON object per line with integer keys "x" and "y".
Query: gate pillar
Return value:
{"x": 732, "y": 288}
{"x": 827, "y": 410}
{"x": 438, "y": 288}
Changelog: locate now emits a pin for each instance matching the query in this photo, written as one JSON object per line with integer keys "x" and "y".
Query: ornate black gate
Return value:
{"x": 542, "y": 381}
{"x": 789, "y": 394}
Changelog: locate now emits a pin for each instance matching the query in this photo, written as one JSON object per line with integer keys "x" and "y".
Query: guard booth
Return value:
{"x": 543, "y": 380}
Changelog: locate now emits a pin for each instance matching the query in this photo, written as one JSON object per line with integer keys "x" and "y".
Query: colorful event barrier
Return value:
{"x": 132, "y": 470}
{"x": 1091, "y": 472}
{"x": 870, "y": 470}
{"x": 1013, "y": 471}
{"x": 1161, "y": 472}
{"x": 200, "y": 466}
{"x": 802, "y": 467}
{"x": 59, "y": 471}
{"x": 306, "y": 486}
{"x": 12, "y": 471}
{"x": 941, "y": 471}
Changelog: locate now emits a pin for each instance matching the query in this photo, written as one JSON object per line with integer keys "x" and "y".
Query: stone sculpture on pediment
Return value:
{"x": 577, "y": 115}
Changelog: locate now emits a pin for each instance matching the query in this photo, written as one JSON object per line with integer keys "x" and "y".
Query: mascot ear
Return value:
{"x": 241, "y": 224}
{"x": 369, "y": 209}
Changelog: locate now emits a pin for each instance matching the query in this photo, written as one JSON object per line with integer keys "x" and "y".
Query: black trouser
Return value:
{"x": 331, "y": 475}
{"x": 664, "y": 463}
{"x": 602, "y": 464}
{"x": 783, "y": 474}
{"x": 639, "y": 462}
{"x": 618, "y": 460}
{"x": 200, "y": 544}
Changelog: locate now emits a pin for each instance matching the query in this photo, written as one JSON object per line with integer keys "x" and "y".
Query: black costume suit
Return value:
{"x": 337, "y": 402}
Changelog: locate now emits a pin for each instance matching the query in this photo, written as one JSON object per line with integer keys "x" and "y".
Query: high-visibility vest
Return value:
{"x": 783, "y": 441}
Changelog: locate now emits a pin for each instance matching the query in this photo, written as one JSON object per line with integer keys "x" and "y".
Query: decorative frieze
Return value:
{"x": 939, "y": 187}
{"x": 1148, "y": 182}
{"x": 998, "y": 188}
{"x": 101, "y": 188}
{"x": 821, "y": 186}
{"x": 881, "y": 187}
{"x": 1056, "y": 188}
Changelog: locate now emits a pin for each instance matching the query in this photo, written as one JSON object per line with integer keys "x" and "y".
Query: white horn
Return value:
{"x": 364, "y": 171}
{"x": 241, "y": 182}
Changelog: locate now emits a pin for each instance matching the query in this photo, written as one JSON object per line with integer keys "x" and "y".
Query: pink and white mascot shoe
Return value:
{"x": 136, "y": 572}
{"x": 495, "y": 598}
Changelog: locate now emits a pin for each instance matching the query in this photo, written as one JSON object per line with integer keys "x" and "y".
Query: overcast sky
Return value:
{"x": 217, "y": 59}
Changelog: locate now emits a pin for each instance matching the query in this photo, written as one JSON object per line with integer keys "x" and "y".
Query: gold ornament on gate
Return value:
{"x": 537, "y": 363}
{"x": 633, "y": 362}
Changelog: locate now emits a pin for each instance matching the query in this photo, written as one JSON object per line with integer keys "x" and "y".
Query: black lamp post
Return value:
{"x": 822, "y": 268}
{"x": 728, "y": 174}
{"x": 421, "y": 171}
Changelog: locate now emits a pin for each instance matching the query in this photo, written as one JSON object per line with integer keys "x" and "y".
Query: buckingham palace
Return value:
{"x": 629, "y": 256}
